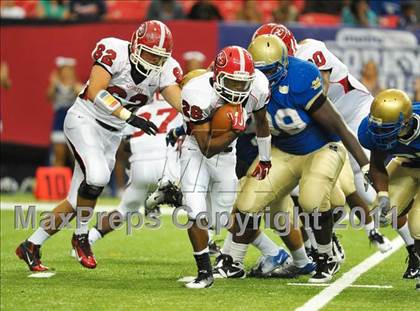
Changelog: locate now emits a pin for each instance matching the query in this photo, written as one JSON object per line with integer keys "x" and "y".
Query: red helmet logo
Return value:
{"x": 221, "y": 59}
{"x": 142, "y": 30}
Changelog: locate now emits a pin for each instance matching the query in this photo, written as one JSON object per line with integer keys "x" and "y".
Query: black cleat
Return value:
{"x": 31, "y": 254}
{"x": 413, "y": 267}
{"x": 326, "y": 267}
{"x": 226, "y": 268}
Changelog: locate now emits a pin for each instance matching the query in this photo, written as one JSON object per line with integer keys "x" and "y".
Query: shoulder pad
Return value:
{"x": 303, "y": 75}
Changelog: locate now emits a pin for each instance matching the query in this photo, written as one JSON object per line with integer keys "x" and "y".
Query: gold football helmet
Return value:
{"x": 190, "y": 75}
{"x": 270, "y": 56}
{"x": 390, "y": 117}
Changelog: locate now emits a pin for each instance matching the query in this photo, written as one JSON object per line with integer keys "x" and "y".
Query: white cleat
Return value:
{"x": 380, "y": 241}
{"x": 203, "y": 280}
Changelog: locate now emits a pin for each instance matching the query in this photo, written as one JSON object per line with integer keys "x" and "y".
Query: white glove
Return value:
{"x": 384, "y": 206}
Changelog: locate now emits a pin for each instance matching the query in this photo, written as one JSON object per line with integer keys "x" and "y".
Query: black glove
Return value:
{"x": 148, "y": 127}
{"x": 173, "y": 135}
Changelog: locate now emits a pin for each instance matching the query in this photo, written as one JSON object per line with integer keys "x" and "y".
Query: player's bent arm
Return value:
{"x": 263, "y": 134}
{"x": 329, "y": 118}
{"x": 325, "y": 80}
{"x": 172, "y": 95}
{"x": 377, "y": 170}
{"x": 210, "y": 146}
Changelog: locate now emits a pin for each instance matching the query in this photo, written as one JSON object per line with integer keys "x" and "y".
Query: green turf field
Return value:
{"x": 140, "y": 272}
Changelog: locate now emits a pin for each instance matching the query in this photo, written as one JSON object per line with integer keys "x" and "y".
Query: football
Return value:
{"x": 220, "y": 123}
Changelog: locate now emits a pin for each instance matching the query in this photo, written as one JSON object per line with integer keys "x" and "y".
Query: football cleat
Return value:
{"x": 290, "y": 271}
{"x": 214, "y": 249}
{"x": 31, "y": 254}
{"x": 225, "y": 268}
{"x": 311, "y": 253}
{"x": 413, "y": 266}
{"x": 326, "y": 267}
{"x": 266, "y": 264}
{"x": 338, "y": 250}
{"x": 166, "y": 193}
{"x": 203, "y": 280}
{"x": 83, "y": 251}
{"x": 380, "y": 241}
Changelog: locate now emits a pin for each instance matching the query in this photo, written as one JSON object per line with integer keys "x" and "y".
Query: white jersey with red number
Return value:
{"x": 112, "y": 54}
{"x": 145, "y": 146}
{"x": 341, "y": 81}
{"x": 200, "y": 101}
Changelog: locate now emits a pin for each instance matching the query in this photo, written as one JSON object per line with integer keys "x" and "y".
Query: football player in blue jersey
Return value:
{"x": 393, "y": 129}
{"x": 306, "y": 150}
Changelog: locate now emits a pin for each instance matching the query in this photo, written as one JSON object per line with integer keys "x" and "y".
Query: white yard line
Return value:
{"x": 348, "y": 278}
{"x": 325, "y": 285}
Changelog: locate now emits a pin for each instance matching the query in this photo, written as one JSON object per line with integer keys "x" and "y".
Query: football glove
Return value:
{"x": 148, "y": 127}
{"x": 237, "y": 120}
{"x": 384, "y": 206}
{"x": 173, "y": 135}
{"x": 262, "y": 170}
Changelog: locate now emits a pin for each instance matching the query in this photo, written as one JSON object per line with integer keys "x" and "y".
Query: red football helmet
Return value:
{"x": 233, "y": 73}
{"x": 151, "y": 46}
{"x": 280, "y": 31}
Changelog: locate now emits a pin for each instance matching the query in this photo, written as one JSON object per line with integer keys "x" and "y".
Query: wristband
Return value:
{"x": 383, "y": 194}
{"x": 106, "y": 102}
{"x": 264, "y": 148}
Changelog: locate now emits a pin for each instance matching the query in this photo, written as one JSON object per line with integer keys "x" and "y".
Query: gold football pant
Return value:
{"x": 315, "y": 173}
{"x": 404, "y": 186}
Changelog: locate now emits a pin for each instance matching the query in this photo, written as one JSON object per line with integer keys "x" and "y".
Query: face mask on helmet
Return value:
{"x": 273, "y": 72}
{"x": 385, "y": 135}
{"x": 148, "y": 60}
{"x": 234, "y": 89}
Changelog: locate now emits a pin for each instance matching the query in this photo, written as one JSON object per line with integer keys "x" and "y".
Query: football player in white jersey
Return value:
{"x": 208, "y": 162}
{"x": 152, "y": 162}
{"x": 124, "y": 77}
{"x": 350, "y": 97}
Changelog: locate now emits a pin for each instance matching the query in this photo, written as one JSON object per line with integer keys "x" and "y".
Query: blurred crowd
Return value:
{"x": 365, "y": 13}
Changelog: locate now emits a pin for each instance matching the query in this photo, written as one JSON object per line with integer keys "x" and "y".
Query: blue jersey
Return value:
{"x": 294, "y": 131}
{"x": 409, "y": 148}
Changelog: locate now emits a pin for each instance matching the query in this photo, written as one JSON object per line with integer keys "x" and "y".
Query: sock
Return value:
{"x": 300, "y": 259}
{"x": 265, "y": 245}
{"x": 405, "y": 234}
{"x": 39, "y": 236}
{"x": 307, "y": 244}
{"x": 325, "y": 249}
{"x": 202, "y": 259}
{"x": 82, "y": 228}
{"x": 311, "y": 236}
{"x": 94, "y": 235}
{"x": 238, "y": 251}
{"x": 211, "y": 234}
{"x": 370, "y": 226}
{"x": 227, "y": 244}
{"x": 417, "y": 248}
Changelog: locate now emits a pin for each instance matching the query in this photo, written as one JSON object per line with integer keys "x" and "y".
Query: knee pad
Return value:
{"x": 89, "y": 192}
